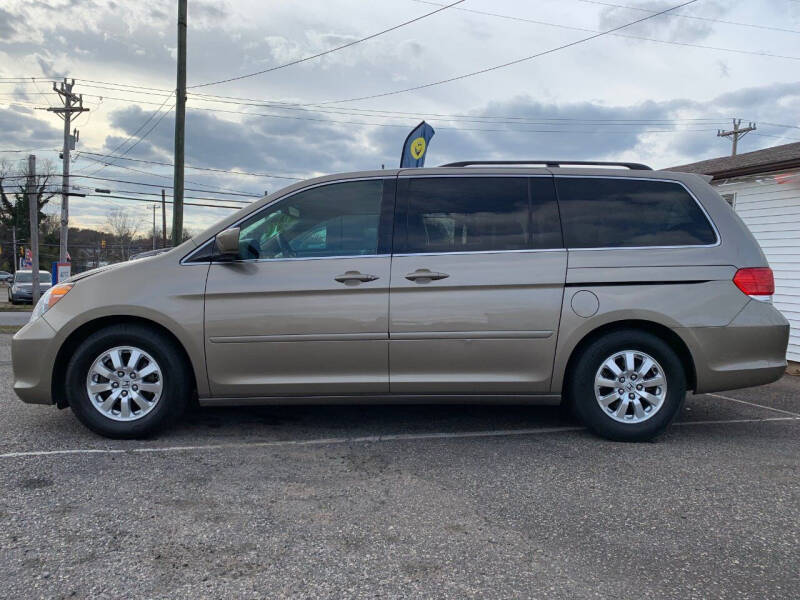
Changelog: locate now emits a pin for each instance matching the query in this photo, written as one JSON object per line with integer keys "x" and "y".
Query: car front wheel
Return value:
{"x": 627, "y": 386}
{"x": 127, "y": 381}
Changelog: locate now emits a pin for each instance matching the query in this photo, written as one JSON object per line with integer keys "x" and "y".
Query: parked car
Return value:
{"x": 21, "y": 288}
{"x": 612, "y": 290}
{"x": 6, "y": 277}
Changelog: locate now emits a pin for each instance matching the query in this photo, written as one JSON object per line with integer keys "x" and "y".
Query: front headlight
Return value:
{"x": 49, "y": 299}
{"x": 14, "y": 288}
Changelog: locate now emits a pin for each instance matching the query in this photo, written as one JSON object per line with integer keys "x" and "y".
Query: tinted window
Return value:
{"x": 471, "y": 214}
{"x": 340, "y": 219}
{"x": 610, "y": 213}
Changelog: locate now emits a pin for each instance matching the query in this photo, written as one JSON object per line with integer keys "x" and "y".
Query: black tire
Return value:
{"x": 177, "y": 382}
{"x": 581, "y": 394}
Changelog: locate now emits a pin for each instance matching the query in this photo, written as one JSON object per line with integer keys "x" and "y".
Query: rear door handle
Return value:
{"x": 425, "y": 276}
{"x": 355, "y": 277}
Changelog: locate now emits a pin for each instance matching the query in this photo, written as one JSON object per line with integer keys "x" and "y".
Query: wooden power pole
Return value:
{"x": 72, "y": 104}
{"x": 180, "y": 126}
{"x": 33, "y": 211}
{"x": 736, "y": 133}
{"x": 163, "y": 219}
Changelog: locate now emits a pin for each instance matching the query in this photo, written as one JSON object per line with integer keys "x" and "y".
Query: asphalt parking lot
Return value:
{"x": 403, "y": 502}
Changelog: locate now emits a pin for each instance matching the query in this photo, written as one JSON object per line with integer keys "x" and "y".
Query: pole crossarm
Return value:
{"x": 736, "y": 133}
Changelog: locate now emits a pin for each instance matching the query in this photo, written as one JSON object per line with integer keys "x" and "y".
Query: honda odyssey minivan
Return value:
{"x": 611, "y": 290}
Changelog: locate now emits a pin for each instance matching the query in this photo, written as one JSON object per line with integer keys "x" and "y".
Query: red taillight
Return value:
{"x": 755, "y": 281}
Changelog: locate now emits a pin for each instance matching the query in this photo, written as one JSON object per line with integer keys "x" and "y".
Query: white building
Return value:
{"x": 764, "y": 189}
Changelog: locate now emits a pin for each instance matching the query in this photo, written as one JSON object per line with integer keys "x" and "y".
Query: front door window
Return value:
{"x": 340, "y": 219}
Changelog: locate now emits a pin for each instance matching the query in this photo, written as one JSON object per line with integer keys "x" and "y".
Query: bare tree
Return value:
{"x": 124, "y": 226}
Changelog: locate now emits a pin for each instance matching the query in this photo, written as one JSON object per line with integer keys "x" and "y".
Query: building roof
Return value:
{"x": 776, "y": 158}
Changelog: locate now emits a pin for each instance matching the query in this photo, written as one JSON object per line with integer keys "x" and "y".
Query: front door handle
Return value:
{"x": 425, "y": 276}
{"x": 355, "y": 277}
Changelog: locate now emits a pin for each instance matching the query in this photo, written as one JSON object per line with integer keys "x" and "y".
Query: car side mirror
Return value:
{"x": 227, "y": 243}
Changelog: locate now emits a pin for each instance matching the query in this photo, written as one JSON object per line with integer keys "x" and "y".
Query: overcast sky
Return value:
{"x": 655, "y": 92}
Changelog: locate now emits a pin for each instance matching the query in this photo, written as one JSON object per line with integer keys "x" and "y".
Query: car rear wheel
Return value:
{"x": 627, "y": 386}
{"x": 127, "y": 381}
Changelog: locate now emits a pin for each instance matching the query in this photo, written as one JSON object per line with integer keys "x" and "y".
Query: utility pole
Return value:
{"x": 154, "y": 226}
{"x": 736, "y": 133}
{"x": 72, "y": 104}
{"x": 33, "y": 211}
{"x": 180, "y": 125}
{"x": 163, "y": 219}
{"x": 14, "y": 242}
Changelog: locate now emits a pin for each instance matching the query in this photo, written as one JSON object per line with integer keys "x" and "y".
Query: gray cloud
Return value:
{"x": 9, "y": 23}
{"x": 610, "y": 78}
{"x": 22, "y": 129}
{"x": 579, "y": 130}
{"x": 667, "y": 26}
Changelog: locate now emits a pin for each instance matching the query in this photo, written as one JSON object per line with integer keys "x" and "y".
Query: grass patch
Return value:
{"x": 16, "y": 307}
{"x": 12, "y": 329}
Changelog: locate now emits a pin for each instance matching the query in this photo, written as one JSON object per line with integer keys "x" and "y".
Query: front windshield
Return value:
{"x": 27, "y": 277}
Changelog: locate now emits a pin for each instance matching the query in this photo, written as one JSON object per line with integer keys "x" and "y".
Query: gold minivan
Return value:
{"x": 614, "y": 290}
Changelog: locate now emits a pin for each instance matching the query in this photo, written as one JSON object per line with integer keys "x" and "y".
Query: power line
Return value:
{"x": 780, "y": 137}
{"x": 255, "y": 102}
{"x": 155, "y": 201}
{"x": 448, "y": 116}
{"x": 620, "y": 35}
{"x": 245, "y": 202}
{"x": 696, "y": 18}
{"x": 111, "y": 192}
{"x": 166, "y": 164}
{"x": 151, "y": 174}
{"x": 489, "y": 119}
{"x": 156, "y": 185}
{"x": 509, "y": 63}
{"x": 778, "y": 124}
{"x": 315, "y": 108}
{"x": 138, "y": 129}
{"x": 511, "y": 121}
{"x": 159, "y": 185}
{"x": 336, "y": 49}
{"x": 406, "y": 125}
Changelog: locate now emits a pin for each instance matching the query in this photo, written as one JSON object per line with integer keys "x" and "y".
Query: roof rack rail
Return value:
{"x": 551, "y": 163}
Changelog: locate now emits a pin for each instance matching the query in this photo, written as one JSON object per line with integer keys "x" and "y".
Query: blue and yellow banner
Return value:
{"x": 416, "y": 146}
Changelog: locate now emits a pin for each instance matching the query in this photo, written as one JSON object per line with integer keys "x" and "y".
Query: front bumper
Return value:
{"x": 21, "y": 297}
{"x": 25, "y": 295}
{"x": 749, "y": 351}
{"x": 32, "y": 356}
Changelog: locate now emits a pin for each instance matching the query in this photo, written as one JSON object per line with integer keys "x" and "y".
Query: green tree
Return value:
{"x": 14, "y": 212}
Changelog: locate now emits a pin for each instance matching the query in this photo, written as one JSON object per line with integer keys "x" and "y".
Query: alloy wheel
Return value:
{"x": 124, "y": 383}
{"x": 630, "y": 386}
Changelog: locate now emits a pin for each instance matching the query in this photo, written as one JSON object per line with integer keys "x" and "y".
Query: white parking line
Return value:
{"x": 785, "y": 412}
{"x": 371, "y": 439}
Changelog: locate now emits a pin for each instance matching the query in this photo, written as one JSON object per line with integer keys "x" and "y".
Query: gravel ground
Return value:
{"x": 403, "y": 502}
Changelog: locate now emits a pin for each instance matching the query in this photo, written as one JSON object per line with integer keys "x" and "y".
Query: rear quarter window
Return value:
{"x": 620, "y": 213}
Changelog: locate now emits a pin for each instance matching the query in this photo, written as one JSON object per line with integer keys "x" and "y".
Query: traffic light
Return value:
{"x": 102, "y": 244}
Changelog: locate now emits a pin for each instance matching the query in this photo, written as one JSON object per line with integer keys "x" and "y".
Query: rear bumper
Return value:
{"x": 749, "y": 351}
{"x": 32, "y": 357}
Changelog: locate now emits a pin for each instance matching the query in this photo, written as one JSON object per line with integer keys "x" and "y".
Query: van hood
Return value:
{"x": 91, "y": 272}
